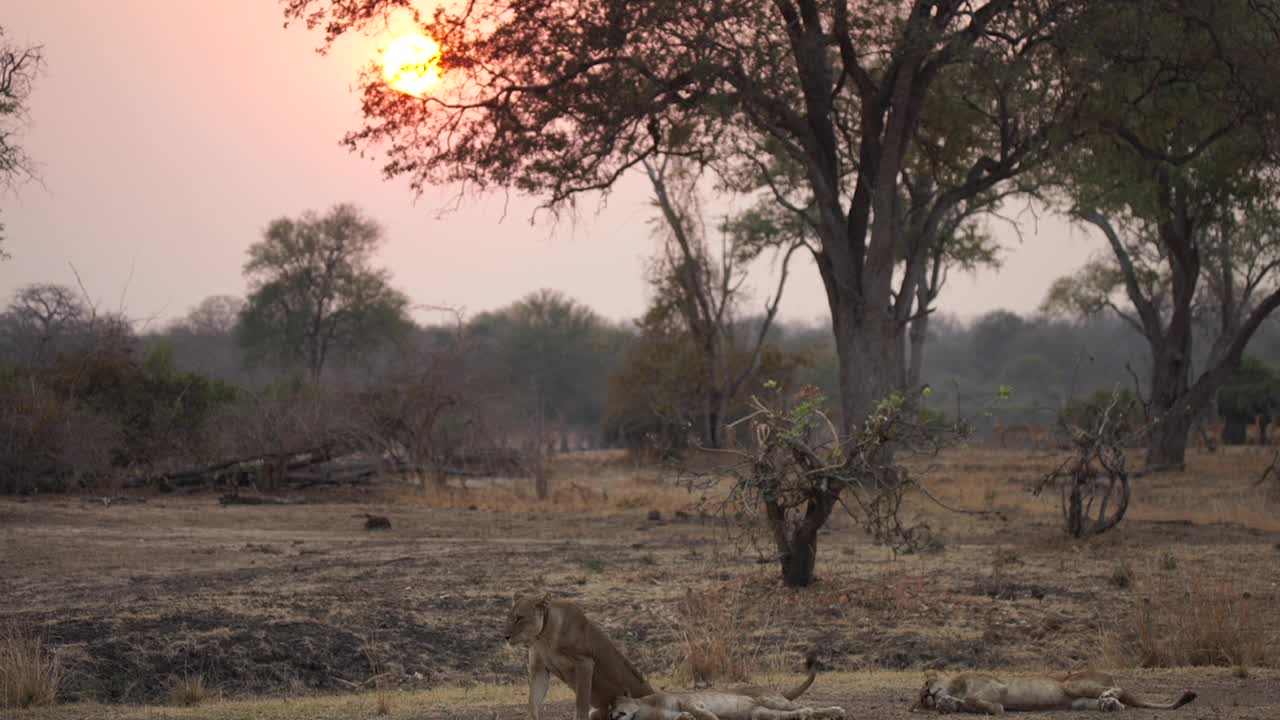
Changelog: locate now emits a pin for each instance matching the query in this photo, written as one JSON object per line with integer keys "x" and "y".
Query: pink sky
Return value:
{"x": 170, "y": 133}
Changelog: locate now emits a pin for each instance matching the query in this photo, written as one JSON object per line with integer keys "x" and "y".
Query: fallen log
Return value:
{"x": 232, "y": 499}
{"x": 209, "y": 474}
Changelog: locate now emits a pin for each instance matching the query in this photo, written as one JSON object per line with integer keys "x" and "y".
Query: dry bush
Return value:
{"x": 714, "y": 631}
{"x": 1193, "y": 621}
{"x": 29, "y": 674}
{"x": 611, "y": 486}
{"x": 188, "y": 690}
{"x": 48, "y": 442}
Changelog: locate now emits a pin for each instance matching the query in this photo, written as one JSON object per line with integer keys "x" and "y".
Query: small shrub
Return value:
{"x": 1194, "y": 621}
{"x": 29, "y": 673}
{"x": 1168, "y": 562}
{"x": 594, "y": 564}
{"x": 1121, "y": 576}
{"x": 188, "y": 690}
{"x": 713, "y": 631}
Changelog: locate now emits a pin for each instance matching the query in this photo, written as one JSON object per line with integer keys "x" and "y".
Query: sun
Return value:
{"x": 411, "y": 64}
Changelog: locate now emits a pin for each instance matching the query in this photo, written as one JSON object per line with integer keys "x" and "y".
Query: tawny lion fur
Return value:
{"x": 564, "y": 643}
{"x": 988, "y": 694}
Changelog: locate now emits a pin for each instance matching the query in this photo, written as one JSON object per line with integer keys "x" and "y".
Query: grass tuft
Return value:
{"x": 1194, "y": 621}
{"x": 188, "y": 690}
{"x": 29, "y": 673}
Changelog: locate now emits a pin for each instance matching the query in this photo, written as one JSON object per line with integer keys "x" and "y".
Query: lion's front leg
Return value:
{"x": 947, "y": 704}
{"x": 978, "y": 705}
{"x": 582, "y": 672}
{"x": 692, "y": 712}
{"x": 539, "y": 679}
{"x": 764, "y": 713}
{"x": 1109, "y": 700}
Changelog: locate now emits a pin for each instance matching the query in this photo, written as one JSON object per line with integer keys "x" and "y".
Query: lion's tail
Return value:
{"x": 1134, "y": 701}
{"x": 811, "y": 665}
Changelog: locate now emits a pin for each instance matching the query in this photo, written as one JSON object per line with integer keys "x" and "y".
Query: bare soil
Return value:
{"x": 297, "y": 599}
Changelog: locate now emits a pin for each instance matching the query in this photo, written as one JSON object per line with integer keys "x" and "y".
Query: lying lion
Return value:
{"x": 982, "y": 693}
{"x": 739, "y": 702}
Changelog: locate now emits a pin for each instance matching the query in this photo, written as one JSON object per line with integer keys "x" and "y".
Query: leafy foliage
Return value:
{"x": 1251, "y": 394}
{"x": 313, "y": 291}
{"x": 1121, "y": 410}
{"x": 89, "y": 415}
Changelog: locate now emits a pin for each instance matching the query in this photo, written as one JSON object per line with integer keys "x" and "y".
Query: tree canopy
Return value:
{"x": 19, "y": 67}
{"x": 313, "y": 290}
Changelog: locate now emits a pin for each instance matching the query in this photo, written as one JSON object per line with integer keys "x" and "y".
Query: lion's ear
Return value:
{"x": 515, "y": 598}
{"x": 542, "y": 601}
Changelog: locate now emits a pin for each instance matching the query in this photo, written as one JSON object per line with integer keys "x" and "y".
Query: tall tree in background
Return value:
{"x": 18, "y": 69}
{"x": 313, "y": 291}
{"x": 41, "y": 319}
{"x": 1178, "y": 176}
{"x": 553, "y": 354}
{"x": 562, "y": 99}
{"x": 214, "y": 315}
{"x": 703, "y": 288}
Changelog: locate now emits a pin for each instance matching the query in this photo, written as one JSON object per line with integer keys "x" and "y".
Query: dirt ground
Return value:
{"x": 296, "y": 600}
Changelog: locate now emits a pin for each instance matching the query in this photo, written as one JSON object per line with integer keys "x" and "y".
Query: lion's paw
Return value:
{"x": 1109, "y": 701}
{"x": 947, "y": 704}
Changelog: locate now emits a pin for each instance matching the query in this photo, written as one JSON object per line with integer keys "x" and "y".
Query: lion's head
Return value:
{"x": 933, "y": 687}
{"x": 527, "y": 617}
{"x": 624, "y": 708}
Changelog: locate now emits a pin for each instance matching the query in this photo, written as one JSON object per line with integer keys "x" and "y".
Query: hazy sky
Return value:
{"x": 170, "y": 132}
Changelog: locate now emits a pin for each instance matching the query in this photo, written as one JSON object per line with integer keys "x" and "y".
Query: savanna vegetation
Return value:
{"x": 646, "y": 466}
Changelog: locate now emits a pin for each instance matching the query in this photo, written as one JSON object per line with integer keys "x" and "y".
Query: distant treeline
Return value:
{"x": 85, "y": 397}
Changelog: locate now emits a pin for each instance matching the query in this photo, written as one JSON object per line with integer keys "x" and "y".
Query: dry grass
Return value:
{"x": 714, "y": 628}
{"x": 596, "y": 481}
{"x": 485, "y": 701}
{"x": 1194, "y": 620}
{"x": 188, "y": 690}
{"x": 477, "y": 701}
{"x": 1218, "y": 488}
{"x": 29, "y": 674}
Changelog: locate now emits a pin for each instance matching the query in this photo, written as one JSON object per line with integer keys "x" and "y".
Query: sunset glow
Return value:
{"x": 411, "y": 64}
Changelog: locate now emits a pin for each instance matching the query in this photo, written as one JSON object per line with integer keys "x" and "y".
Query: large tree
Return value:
{"x": 561, "y": 99}
{"x": 313, "y": 291}
{"x": 19, "y": 66}
{"x": 554, "y": 354}
{"x": 41, "y": 319}
{"x": 1178, "y": 176}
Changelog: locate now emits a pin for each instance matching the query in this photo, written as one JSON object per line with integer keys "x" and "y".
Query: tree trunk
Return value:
{"x": 1235, "y": 430}
{"x": 1167, "y": 446}
{"x": 798, "y": 544}
{"x": 867, "y": 346}
{"x": 713, "y": 416}
{"x": 1171, "y": 409}
{"x": 799, "y": 560}
{"x": 919, "y": 331}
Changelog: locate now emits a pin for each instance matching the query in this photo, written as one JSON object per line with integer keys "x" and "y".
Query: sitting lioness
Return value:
{"x": 563, "y": 642}
{"x": 982, "y": 693}
{"x": 739, "y": 702}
